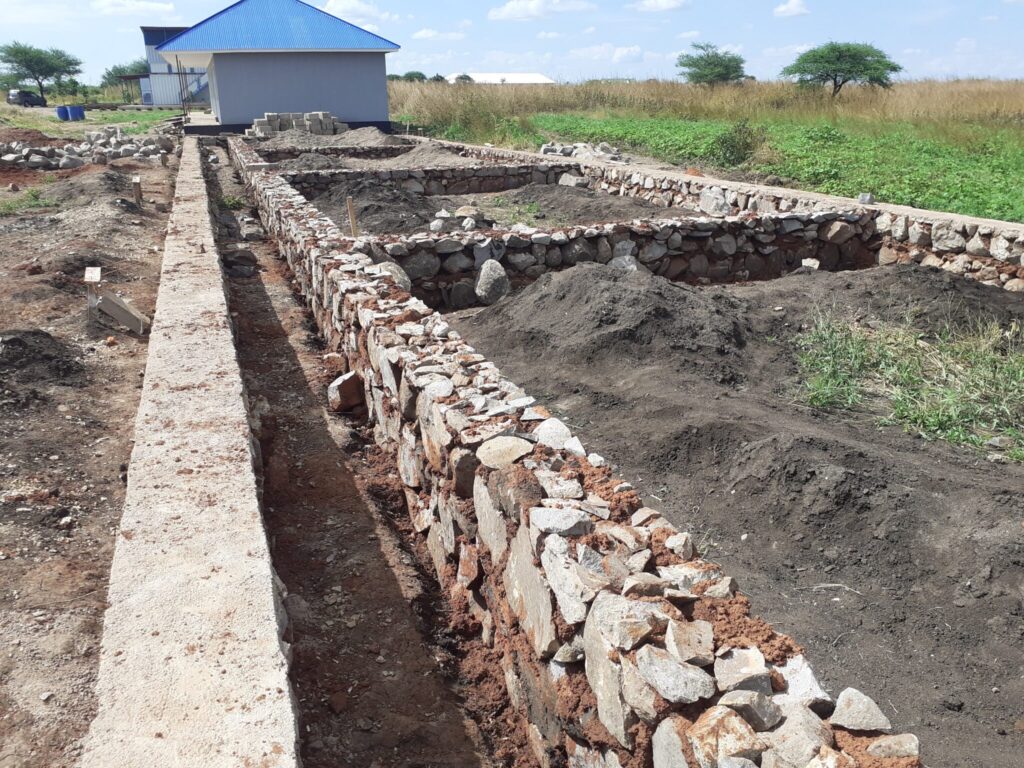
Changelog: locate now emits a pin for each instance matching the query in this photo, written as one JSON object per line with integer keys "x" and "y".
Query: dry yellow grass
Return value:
{"x": 941, "y": 103}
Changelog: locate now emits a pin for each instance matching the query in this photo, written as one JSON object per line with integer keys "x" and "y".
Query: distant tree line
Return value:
{"x": 419, "y": 77}
{"x": 834, "y": 65}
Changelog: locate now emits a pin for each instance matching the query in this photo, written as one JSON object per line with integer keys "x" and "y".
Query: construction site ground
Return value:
{"x": 895, "y": 561}
{"x": 69, "y": 391}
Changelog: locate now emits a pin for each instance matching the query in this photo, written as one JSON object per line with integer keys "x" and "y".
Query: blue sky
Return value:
{"x": 577, "y": 39}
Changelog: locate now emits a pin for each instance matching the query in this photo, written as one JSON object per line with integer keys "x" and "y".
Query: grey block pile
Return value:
{"x": 316, "y": 123}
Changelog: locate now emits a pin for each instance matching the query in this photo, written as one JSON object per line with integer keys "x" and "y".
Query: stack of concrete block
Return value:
{"x": 315, "y": 123}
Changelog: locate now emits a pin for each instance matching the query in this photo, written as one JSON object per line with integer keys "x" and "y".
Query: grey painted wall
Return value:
{"x": 351, "y": 86}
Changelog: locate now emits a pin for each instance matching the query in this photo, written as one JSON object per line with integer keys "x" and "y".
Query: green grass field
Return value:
{"x": 45, "y": 120}
{"x": 978, "y": 175}
{"x": 954, "y": 146}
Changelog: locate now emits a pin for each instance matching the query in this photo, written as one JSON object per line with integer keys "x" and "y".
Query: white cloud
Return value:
{"x": 127, "y": 7}
{"x": 357, "y": 11}
{"x": 965, "y": 46}
{"x": 608, "y": 52}
{"x": 465, "y": 24}
{"x": 792, "y": 8}
{"x": 691, "y": 34}
{"x": 657, "y": 6}
{"x": 548, "y": 35}
{"x": 785, "y": 51}
{"x": 433, "y": 34}
{"x": 589, "y": 30}
{"x": 525, "y": 10}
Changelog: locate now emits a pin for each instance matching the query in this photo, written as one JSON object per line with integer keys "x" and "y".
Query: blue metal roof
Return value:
{"x": 275, "y": 25}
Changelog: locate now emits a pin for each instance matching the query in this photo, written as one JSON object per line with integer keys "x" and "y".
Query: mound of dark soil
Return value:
{"x": 897, "y": 562}
{"x": 565, "y": 206}
{"x": 361, "y": 137}
{"x": 597, "y": 316}
{"x": 381, "y": 207}
{"x": 35, "y": 357}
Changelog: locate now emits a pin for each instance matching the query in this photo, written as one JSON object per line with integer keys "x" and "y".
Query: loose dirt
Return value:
{"x": 69, "y": 391}
{"x": 379, "y": 676}
{"x": 898, "y": 563}
{"x": 383, "y": 208}
{"x": 360, "y": 137}
{"x": 420, "y": 156}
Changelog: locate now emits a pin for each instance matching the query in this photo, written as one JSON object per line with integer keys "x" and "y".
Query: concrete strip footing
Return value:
{"x": 193, "y": 671}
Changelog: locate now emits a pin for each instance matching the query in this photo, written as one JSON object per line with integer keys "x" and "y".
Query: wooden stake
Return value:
{"x": 352, "y": 217}
{"x": 137, "y": 190}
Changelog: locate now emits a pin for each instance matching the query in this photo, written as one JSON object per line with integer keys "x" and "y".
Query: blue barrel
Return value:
{"x": 76, "y": 113}
{"x": 63, "y": 115}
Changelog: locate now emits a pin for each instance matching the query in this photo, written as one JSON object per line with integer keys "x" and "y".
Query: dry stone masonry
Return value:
{"x": 619, "y": 646}
{"x": 99, "y": 148}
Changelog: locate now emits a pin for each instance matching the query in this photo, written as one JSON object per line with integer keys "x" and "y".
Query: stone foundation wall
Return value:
{"x": 276, "y": 155}
{"x": 437, "y": 181}
{"x": 986, "y": 250}
{"x": 617, "y": 643}
{"x": 444, "y": 269}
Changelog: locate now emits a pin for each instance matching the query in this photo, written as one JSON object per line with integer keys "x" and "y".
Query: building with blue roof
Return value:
{"x": 284, "y": 56}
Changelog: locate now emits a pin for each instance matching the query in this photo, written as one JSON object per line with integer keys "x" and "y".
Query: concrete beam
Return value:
{"x": 193, "y": 671}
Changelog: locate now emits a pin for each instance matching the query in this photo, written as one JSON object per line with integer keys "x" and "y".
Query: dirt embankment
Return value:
{"x": 899, "y": 563}
{"x": 385, "y": 208}
{"x": 360, "y": 137}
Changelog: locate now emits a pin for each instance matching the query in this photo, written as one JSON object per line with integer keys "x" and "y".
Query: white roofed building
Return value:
{"x": 504, "y": 78}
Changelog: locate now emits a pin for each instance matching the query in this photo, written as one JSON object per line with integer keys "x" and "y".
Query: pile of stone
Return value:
{"x": 99, "y": 148}
{"x": 465, "y": 218}
{"x": 583, "y": 151}
{"x": 316, "y": 123}
{"x": 597, "y": 608}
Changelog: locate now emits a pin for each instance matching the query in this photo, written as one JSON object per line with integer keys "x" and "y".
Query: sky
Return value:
{"x": 572, "y": 40}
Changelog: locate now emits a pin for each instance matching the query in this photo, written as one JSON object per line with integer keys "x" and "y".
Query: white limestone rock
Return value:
{"x": 858, "y": 712}
{"x": 677, "y": 682}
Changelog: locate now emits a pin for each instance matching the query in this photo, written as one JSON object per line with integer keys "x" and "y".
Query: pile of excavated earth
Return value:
{"x": 99, "y": 148}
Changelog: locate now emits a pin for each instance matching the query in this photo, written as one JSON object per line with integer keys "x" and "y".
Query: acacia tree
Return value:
{"x": 837, "y": 64}
{"x": 709, "y": 65}
{"x": 414, "y": 76}
{"x": 111, "y": 76}
{"x": 42, "y": 65}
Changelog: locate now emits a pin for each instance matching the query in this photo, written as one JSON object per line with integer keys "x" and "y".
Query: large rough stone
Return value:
{"x": 801, "y": 735}
{"x": 830, "y": 758}
{"x": 552, "y": 433}
{"x": 691, "y": 642}
{"x": 572, "y": 593}
{"x": 977, "y": 247}
{"x": 492, "y": 284}
{"x": 624, "y": 263}
{"x": 420, "y": 265}
{"x": 688, "y": 575}
{"x": 667, "y": 744}
{"x": 720, "y": 732}
{"x": 637, "y": 692}
{"x": 802, "y": 685}
{"x": 603, "y": 674}
{"x": 712, "y": 201}
{"x": 345, "y": 392}
{"x": 503, "y": 451}
{"x": 947, "y": 238}
{"x": 677, "y": 682}
{"x": 529, "y": 596}
{"x": 743, "y": 668}
{"x": 563, "y": 521}
{"x": 904, "y": 745}
{"x": 837, "y": 232}
{"x": 397, "y": 274}
{"x": 918, "y": 235}
{"x": 491, "y": 525}
{"x": 756, "y": 708}
{"x": 858, "y": 712}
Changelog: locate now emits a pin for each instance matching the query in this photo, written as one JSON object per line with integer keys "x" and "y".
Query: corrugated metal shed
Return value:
{"x": 274, "y": 25}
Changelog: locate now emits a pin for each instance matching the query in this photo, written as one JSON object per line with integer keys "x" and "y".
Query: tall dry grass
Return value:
{"x": 935, "y": 102}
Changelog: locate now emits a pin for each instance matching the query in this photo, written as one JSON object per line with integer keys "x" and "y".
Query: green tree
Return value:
{"x": 837, "y": 64}
{"x": 111, "y": 76}
{"x": 414, "y": 77}
{"x": 438, "y": 78}
{"x": 41, "y": 65}
{"x": 709, "y": 65}
{"x": 393, "y": 77}
{"x": 463, "y": 79}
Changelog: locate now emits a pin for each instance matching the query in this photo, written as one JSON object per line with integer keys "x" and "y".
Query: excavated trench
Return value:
{"x": 380, "y": 677}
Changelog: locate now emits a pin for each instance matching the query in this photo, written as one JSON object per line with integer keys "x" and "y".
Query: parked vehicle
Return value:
{"x": 25, "y": 98}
